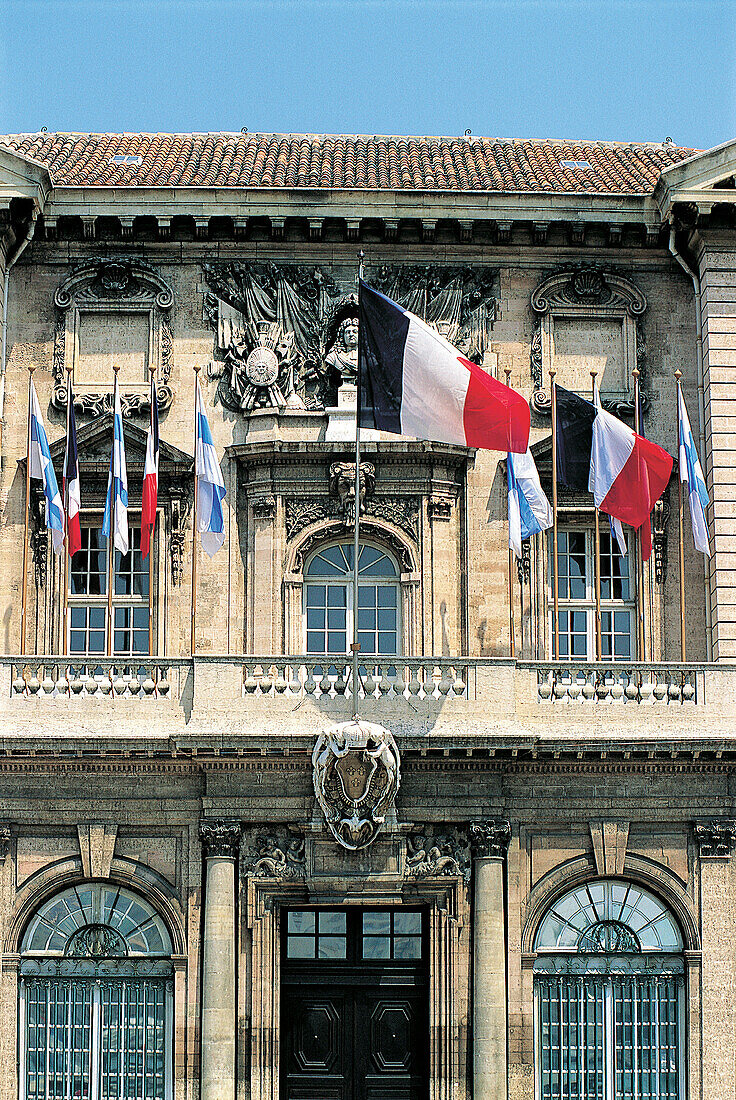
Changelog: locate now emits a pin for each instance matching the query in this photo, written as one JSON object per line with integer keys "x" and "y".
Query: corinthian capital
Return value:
{"x": 715, "y": 838}
{"x": 220, "y": 838}
{"x": 490, "y": 839}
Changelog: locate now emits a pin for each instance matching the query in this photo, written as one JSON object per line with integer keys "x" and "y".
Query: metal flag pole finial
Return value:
{"x": 355, "y": 646}
{"x": 683, "y": 641}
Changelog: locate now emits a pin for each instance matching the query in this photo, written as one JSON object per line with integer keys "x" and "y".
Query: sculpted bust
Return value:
{"x": 342, "y": 359}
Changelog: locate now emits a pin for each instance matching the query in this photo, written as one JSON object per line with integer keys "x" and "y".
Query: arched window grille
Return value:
{"x": 328, "y": 601}
{"x": 609, "y": 996}
{"x": 96, "y": 997}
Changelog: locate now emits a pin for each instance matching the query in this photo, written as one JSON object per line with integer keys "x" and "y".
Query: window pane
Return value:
{"x": 407, "y": 947}
{"x": 377, "y": 923}
{"x": 331, "y": 921}
{"x": 336, "y": 642}
{"x": 386, "y": 595}
{"x": 301, "y": 921}
{"x": 407, "y": 922}
{"x": 301, "y": 947}
{"x": 332, "y": 947}
{"x": 337, "y": 595}
{"x": 376, "y": 947}
{"x": 315, "y": 618}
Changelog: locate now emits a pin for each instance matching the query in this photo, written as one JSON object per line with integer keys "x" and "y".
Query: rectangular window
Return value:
{"x": 88, "y": 604}
{"x": 576, "y": 590}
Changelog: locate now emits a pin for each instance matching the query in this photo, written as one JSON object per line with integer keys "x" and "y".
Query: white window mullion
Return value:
{"x": 95, "y": 1042}
{"x": 610, "y": 1042}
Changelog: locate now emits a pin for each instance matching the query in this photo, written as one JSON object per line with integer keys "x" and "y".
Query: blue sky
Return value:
{"x": 622, "y": 70}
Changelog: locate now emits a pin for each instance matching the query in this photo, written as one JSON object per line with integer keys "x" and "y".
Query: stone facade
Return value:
{"x": 203, "y": 783}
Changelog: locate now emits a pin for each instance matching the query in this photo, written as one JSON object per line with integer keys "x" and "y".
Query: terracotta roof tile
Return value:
{"x": 334, "y": 161}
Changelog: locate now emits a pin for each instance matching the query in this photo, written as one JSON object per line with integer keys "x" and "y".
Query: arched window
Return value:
{"x": 328, "y": 600}
{"x": 609, "y": 996}
{"x": 96, "y": 998}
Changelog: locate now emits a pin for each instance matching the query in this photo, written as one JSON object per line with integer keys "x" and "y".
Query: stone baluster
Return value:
{"x": 221, "y": 841}
{"x": 489, "y": 840}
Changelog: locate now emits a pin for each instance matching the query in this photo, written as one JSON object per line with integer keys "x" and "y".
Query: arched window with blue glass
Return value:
{"x": 609, "y": 992}
{"x": 96, "y": 998}
{"x": 328, "y": 600}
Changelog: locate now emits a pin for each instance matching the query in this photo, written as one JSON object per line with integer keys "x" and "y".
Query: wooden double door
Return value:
{"x": 354, "y": 1005}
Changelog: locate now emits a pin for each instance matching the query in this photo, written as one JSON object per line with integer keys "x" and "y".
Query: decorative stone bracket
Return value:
{"x": 490, "y": 839}
{"x": 716, "y": 839}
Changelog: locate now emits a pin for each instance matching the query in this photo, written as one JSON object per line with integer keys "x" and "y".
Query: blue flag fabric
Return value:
{"x": 529, "y": 510}
{"x": 116, "y": 500}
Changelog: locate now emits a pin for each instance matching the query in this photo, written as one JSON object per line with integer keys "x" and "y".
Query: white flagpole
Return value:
{"x": 24, "y": 592}
{"x": 355, "y": 647}
{"x": 113, "y": 517}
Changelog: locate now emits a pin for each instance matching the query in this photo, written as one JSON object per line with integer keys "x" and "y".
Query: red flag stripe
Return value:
{"x": 640, "y": 483}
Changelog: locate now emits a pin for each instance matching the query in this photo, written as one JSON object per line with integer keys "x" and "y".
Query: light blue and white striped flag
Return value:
{"x": 692, "y": 472}
{"x": 529, "y": 509}
{"x": 116, "y": 501}
{"x": 210, "y": 482}
{"x": 41, "y": 467}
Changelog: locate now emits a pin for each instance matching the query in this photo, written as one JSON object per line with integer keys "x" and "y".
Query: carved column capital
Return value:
{"x": 490, "y": 839}
{"x": 220, "y": 838}
{"x": 715, "y": 838}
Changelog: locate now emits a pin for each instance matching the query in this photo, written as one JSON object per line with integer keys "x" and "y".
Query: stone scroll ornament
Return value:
{"x": 356, "y": 774}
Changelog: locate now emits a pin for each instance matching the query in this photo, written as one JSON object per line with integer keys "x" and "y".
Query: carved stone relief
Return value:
{"x": 287, "y": 334}
{"x": 300, "y": 512}
{"x": 605, "y": 300}
{"x": 356, "y": 775}
{"x": 275, "y": 854}
{"x": 342, "y": 486}
{"x": 113, "y": 290}
{"x": 432, "y": 853}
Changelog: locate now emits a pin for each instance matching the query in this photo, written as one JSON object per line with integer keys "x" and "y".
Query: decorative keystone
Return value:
{"x": 220, "y": 838}
{"x": 490, "y": 839}
{"x": 716, "y": 838}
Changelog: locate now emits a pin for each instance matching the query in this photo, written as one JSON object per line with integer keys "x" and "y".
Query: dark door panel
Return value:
{"x": 314, "y": 1033}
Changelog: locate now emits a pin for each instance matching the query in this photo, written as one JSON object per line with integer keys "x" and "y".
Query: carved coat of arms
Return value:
{"x": 356, "y": 773}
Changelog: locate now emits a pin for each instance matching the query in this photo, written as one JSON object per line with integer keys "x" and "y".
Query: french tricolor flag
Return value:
{"x": 413, "y": 382}
{"x": 625, "y": 472}
{"x": 72, "y": 492}
{"x": 150, "y": 476}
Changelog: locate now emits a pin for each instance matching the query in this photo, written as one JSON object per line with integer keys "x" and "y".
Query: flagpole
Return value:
{"x": 640, "y": 562}
{"x": 154, "y": 397}
{"x": 683, "y": 643}
{"x": 555, "y": 553}
{"x": 194, "y": 513}
{"x": 65, "y": 472}
{"x": 113, "y": 517}
{"x": 355, "y": 647}
{"x": 24, "y": 596}
{"x": 512, "y": 629}
{"x": 598, "y": 639}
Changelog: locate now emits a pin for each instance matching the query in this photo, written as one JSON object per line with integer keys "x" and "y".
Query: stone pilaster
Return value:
{"x": 489, "y": 840}
{"x": 717, "y": 842}
{"x": 221, "y": 840}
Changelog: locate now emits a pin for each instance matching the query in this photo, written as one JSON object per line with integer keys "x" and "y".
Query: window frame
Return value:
{"x": 586, "y": 604}
{"x": 120, "y": 601}
{"x": 345, "y": 583}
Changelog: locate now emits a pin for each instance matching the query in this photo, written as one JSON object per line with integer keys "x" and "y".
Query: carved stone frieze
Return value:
{"x": 440, "y": 508}
{"x": 112, "y": 285}
{"x": 264, "y": 507}
{"x": 432, "y": 853}
{"x": 287, "y": 334}
{"x": 490, "y": 839}
{"x": 342, "y": 486}
{"x": 220, "y": 838}
{"x": 356, "y": 776}
{"x": 716, "y": 839}
{"x": 585, "y": 291}
{"x": 274, "y": 854}
{"x": 402, "y": 512}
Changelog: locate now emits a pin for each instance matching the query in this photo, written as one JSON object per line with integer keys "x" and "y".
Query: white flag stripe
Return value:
{"x": 692, "y": 472}
{"x": 210, "y": 482}
{"x": 613, "y": 442}
{"x": 41, "y": 468}
{"x": 434, "y": 386}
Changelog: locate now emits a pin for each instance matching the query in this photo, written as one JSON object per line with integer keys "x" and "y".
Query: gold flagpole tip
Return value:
{"x": 31, "y": 368}
{"x": 678, "y": 376}
{"x": 635, "y": 372}
{"x": 552, "y": 372}
{"x": 594, "y": 374}
{"x": 197, "y": 368}
{"x": 116, "y": 367}
{"x": 70, "y": 368}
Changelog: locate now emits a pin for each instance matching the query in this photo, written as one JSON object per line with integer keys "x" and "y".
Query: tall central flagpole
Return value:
{"x": 355, "y": 647}
{"x": 683, "y": 643}
{"x": 555, "y": 553}
{"x": 113, "y": 517}
{"x": 598, "y": 639}
{"x": 512, "y": 628}
{"x": 194, "y": 512}
{"x": 65, "y": 575}
{"x": 24, "y": 594}
{"x": 154, "y": 397}
{"x": 640, "y": 561}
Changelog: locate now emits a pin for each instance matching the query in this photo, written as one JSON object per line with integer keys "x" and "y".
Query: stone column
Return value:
{"x": 489, "y": 840}
{"x": 221, "y": 841}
